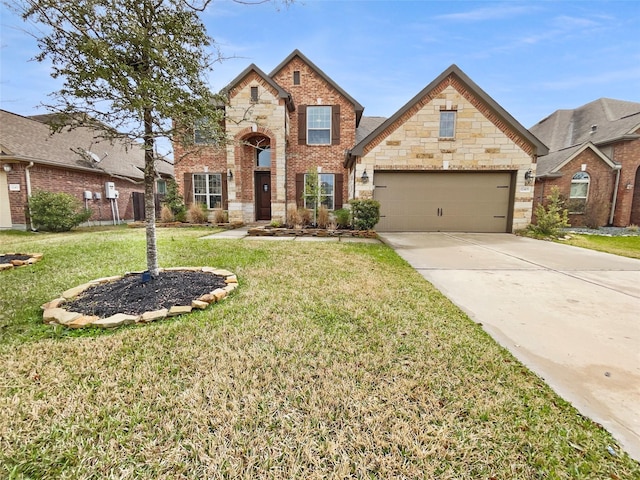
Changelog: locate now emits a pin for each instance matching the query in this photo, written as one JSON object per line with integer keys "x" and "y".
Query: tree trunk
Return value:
{"x": 149, "y": 196}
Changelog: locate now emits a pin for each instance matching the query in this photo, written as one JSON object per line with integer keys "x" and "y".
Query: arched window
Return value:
{"x": 579, "y": 192}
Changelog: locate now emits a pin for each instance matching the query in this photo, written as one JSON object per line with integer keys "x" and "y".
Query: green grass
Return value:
{"x": 331, "y": 360}
{"x": 624, "y": 246}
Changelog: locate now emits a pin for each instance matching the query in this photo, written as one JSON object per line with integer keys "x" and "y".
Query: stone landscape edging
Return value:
{"x": 35, "y": 257}
{"x": 55, "y": 313}
{"x": 266, "y": 231}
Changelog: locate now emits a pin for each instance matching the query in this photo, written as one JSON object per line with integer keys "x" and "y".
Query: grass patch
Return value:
{"x": 332, "y": 360}
{"x": 623, "y": 246}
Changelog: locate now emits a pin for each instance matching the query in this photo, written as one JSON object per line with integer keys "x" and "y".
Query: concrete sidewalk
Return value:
{"x": 571, "y": 315}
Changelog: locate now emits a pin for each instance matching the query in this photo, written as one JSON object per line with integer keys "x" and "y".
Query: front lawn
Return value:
{"x": 331, "y": 360}
{"x": 624, "y": 246}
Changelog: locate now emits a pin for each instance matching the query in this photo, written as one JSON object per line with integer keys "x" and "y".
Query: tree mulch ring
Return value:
{"x": 10, "y": 260}
{"x": 132, "y": 296}
{"x": 137, "y": 297}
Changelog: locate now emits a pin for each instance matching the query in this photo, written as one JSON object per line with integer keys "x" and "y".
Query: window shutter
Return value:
{"x": 299, "y": 189}
{"x": 335, "y": 125}
{"x": 302, "y": 125}
{"x": 339, "y": 186}
{"x": 225, "y": 189}
{"x": 188, "y": 188}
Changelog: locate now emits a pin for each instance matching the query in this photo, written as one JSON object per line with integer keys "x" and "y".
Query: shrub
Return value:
{"x": 305, "y": 216}
{"x": 323, "y": 217}
{"x": 175, "y": 202}
{"x": 633, "y": 228}
{"x": 550, "y": 218}
{"x": 342, "y": 217}
{"x": 293, "y": 219}
{"x": 166, "y": 215}
{"x": 197, "y": 213}
{"x": 56, "y": 212}
{"x": 366, "y": 213}
{"x": 219, "y": 216}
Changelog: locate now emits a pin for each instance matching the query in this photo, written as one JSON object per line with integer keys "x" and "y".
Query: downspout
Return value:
{"x": 27, "y": 178}
{"x": 615, "y": 194}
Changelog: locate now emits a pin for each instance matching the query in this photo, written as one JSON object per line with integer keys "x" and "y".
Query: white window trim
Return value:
{"x": 208, "y": 194}
{"x": 453, "y": 126}
{"x": 580, "y": 181}
{"x": 329, "y": 128}
{"x": 321, "y": 196}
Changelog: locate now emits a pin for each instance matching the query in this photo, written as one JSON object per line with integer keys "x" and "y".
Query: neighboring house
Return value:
{"x": 451, "y": 159}
{"x": 594, "y": 160}
{"x": 76, "y": 162}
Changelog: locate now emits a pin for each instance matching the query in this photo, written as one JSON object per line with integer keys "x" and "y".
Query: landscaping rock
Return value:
{"x": 116, "y": 320}
{"x": 199, "y": 304}
{"x": 155, "y": 315}
{"x": 82, "y": 321}
{"x": 179, "y": 310}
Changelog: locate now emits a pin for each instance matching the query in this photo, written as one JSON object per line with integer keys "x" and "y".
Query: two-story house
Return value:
{"x": 450, "y": 159}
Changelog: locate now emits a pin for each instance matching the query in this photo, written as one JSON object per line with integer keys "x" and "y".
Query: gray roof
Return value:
{"x": 297, "y": 53}
{"x": 540, "y": 148}
{"x": 30, "y": 139}
{"x": 368, "y": 125}
{"x": 601, "y": 121}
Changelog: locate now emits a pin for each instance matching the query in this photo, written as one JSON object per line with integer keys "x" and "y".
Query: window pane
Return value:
{"x": 318, "y": 125}
{"x": 161, "y": 187}
{"x": 215, "y": 184}
{"x": 264, "y": 157}
{"x": 447, "y": 124}
{"x": 579, "y": 190}
{"x": 319, "y": 137}
{"x": 199, "y": 184}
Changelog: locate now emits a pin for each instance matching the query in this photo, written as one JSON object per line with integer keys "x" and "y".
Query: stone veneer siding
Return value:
{"x": 483, "y": 142}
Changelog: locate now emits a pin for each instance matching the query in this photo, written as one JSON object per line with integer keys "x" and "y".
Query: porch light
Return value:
{"x": 7, "y": 167}
{"x": 364, "y": 177}
{"x": 528, "y": 176}
{"x": 229, "y": 174}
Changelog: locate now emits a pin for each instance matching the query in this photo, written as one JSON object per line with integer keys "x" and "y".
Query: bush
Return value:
{"x": 366, "y": 214}
{"x": 219, "y": 216}
{"x": 166, "y": 215}
{"x": 550, "y": 218}
{"x": 342, "y": 216}
{"x": 293, "y": 219}
{"x": 56, "y": 212}
{"x": 305, "y": 216}
{"x": 323, "y": 217}
{"x": 197, "y": 213}
{"x": 175, "y": 202}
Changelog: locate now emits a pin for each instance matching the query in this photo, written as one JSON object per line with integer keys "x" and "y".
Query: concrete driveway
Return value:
{"x": 571, "y": 315}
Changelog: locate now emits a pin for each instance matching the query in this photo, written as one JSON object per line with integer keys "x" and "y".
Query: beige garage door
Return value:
{"x": 443, "y": 201}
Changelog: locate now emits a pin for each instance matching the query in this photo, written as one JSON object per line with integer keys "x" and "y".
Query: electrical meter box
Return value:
{"x": 110, "y": 190}
{"x": 88, "y": 195}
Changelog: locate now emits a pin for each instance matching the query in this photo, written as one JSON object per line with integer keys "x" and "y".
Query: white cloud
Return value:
{"x": 498, "y": 11}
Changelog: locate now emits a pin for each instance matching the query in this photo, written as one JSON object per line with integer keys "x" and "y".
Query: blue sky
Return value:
{"x": 531, "y": 57}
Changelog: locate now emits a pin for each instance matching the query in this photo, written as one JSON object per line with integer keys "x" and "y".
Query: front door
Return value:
{"x": 263, "y": 196}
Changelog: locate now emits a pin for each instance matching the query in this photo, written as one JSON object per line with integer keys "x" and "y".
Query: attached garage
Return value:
{"x": 444, "y": 201}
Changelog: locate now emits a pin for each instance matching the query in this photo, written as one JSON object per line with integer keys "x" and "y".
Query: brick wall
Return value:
{"x": 74, "y": 183}
{"x": 313, "y": 90}
{"x": 628, "y": 209}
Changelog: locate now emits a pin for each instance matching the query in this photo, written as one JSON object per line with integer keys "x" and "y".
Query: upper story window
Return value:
{"x": 319, "y": 125}
{"x": 254, "y": 94}
{"x": 161, "y": 187}
{"x": 208, "y": 131}
{"x": 447, "y": 124}
{"x": 579, "y": 192}
{"x": 296, "y": 77}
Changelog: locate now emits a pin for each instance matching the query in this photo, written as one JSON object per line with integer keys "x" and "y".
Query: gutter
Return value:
{"x": 27, "y": 177}
{"x": 615, "y": 194}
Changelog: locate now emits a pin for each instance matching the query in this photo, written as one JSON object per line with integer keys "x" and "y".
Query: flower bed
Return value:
{"x": 11, "y": 260}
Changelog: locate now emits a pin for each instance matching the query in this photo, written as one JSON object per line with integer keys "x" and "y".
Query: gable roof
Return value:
{"x": 550, "y": 165}
{"x": 453, "y": 70}
{"x": 30, "y": 140}
{"x": 282, "y": 93}
{"x": 296, "y": 53}
{"x": 600, "y": 122}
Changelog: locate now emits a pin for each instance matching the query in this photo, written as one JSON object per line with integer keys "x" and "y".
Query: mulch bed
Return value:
{"x": 131, "y": 296}
{"x": 8, "y": 258}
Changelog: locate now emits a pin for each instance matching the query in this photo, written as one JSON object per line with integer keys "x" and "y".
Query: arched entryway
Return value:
{"x": 256, "y": 165}
{"x": 635, "y": 202}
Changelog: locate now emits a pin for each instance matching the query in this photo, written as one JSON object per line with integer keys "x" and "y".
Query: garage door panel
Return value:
{"x": 434, "y": 201}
